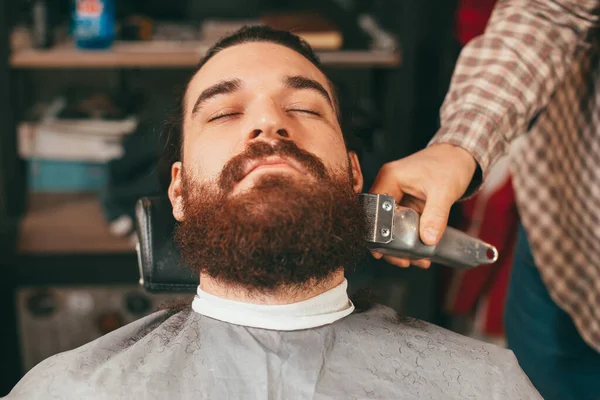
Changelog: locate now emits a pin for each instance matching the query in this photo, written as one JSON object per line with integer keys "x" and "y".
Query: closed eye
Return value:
{"x": 300, "y": 110}
{"x": 223, "y": 116}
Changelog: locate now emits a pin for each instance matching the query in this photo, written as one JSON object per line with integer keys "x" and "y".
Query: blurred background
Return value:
{"x": 85, "y": 89}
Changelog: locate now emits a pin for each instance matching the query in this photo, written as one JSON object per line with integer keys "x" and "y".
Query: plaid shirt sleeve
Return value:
{"x": 506, "y": 76}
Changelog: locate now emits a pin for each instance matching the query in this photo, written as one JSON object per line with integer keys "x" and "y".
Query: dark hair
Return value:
{"x": 172, "y": 136}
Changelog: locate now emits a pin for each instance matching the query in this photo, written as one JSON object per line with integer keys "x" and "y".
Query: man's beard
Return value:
{"x": 284, "y": 232}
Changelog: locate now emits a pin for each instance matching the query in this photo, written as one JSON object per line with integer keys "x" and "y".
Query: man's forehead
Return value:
{"x": 253, "y": 64}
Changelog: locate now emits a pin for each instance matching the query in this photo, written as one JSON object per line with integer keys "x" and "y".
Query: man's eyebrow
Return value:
{"x": 303, "y": 82}
{"x": 223, "y": 87}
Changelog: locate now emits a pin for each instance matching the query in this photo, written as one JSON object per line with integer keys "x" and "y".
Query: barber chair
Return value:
{"x": 159, "y": 260}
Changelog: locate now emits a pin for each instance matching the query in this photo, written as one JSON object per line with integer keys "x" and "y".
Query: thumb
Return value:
{"x": 434, "y": 219}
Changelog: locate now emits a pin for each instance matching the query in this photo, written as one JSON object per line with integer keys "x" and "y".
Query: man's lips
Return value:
{"x": 272, "y": 162}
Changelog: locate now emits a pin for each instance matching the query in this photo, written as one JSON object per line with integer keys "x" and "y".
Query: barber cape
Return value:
{"x": 317, "y": 349}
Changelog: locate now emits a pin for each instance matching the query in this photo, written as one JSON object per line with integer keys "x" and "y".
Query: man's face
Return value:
{"x": 259, "y": 92}
{"x": 266, "y": 190}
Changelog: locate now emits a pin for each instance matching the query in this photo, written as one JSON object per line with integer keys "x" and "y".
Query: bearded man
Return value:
{"x": 264, "y": 190}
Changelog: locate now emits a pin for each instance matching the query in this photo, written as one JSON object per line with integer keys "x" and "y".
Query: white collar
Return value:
{"x": 323, "y": 309}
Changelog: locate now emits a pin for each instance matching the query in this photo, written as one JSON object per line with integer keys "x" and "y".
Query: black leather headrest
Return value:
{"x": 161, "y": 269}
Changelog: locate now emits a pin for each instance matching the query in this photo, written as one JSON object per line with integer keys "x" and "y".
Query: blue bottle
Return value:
{"x": 94, "y": 23}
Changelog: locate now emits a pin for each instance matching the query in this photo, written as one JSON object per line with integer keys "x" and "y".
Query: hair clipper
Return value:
{"x": 394, "y": 230}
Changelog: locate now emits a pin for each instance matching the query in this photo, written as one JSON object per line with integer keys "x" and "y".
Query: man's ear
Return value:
{"x": 175, "y": 194}
{"x": 357, "y": 176}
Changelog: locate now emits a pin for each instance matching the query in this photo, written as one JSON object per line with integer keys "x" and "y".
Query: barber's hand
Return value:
{"x": 429, "y": 181}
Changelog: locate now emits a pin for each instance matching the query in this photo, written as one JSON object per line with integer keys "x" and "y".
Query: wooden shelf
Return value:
{"x": 168, "y": 55}
{"x": 67, "y": 224}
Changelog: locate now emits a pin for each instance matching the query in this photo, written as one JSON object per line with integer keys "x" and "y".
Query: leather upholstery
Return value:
{"x": 161, "y": 269}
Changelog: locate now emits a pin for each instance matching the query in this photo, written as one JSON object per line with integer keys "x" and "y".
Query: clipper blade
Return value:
{"x": 379, "y": 216}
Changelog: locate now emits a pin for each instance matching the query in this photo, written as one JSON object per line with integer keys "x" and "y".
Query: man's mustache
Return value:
{"x": 234, "y": 170}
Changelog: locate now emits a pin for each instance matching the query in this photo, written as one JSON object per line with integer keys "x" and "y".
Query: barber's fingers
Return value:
{"x": 435, "y": 217}
{"x": 377, "y": 255}
{"x": 424, "y": 263}
{"x": 388, "y": 182}
{"x": 405, "y": 263}
{"x": 398, "y": 262}
{"x": 402, "y": 262}
{"x": 413, "y": 202}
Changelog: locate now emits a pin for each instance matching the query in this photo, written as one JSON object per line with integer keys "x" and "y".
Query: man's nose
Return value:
{"x": 269, "y": 125}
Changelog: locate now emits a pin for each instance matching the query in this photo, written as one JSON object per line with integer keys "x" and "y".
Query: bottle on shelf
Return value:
{"x": 94, "y": 23}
